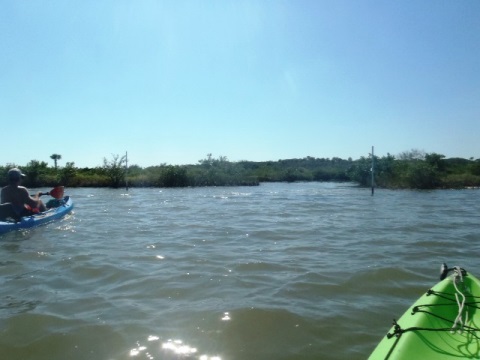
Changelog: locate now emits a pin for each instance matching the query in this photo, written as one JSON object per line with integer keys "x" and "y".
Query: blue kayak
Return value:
{"x": 63, "y": 207}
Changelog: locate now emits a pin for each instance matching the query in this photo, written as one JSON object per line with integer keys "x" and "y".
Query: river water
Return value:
{"x": 278, "y": 271}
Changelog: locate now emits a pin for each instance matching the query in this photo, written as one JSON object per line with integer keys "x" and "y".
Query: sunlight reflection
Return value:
{"x": 177, "y": 347}
{"x": 169, "y": 348}
{"x": 135, "y": 352}
{"x": 66, "y": 227}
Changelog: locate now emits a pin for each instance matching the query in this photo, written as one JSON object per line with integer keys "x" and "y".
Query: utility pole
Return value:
{"x": 373, "y": 173}
{"x": 126, "y": 170}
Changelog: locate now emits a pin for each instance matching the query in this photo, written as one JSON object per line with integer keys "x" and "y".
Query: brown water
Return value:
{"x": 279, "y": 271}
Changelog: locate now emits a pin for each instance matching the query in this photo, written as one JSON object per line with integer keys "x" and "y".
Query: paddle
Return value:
{"x": 56, "y": 192}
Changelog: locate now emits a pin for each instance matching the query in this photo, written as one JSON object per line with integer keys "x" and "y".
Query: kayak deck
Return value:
{"x": 444, "y": 323}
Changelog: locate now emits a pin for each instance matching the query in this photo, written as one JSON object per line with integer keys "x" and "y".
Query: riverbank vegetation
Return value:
{"x": 412, "y": 169}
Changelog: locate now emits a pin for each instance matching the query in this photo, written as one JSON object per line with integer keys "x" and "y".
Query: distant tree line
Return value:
{"x": 417, "y": 170}
{"x": 412, "y": 169}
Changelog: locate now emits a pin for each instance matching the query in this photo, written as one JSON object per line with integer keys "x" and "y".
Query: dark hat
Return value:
{"x": 15, "y": 174}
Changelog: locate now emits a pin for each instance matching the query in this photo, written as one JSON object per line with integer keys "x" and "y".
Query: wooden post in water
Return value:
{"x": 126, "y": 170}
{"x": 373, "y": 172}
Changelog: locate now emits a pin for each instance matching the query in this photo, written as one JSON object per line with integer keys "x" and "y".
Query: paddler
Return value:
{"x": 18, "y": 198}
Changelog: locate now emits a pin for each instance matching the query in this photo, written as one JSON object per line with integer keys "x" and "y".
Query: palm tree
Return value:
{"x": 55, "y": 157}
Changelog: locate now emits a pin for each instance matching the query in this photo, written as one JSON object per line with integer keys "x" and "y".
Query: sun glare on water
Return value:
{"x": 170, "y": 347}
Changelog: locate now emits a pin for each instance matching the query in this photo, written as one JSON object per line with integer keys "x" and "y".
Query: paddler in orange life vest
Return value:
{"x": 21, "y": 202}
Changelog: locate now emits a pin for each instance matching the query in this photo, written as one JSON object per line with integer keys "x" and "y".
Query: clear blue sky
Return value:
{"x": 171, "y": 81}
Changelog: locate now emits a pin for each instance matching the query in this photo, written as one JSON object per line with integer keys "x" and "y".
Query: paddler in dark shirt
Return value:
{"x": 15, "y": 197}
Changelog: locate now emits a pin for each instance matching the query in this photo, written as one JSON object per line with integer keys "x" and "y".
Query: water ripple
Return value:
{"x": 279, "y": 271}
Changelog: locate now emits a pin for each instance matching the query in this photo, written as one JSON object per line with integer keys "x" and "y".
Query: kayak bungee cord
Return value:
{"x": 458, "y": 298}
{"x": 444, "y": 323}
{"x": 458, "y": 277}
